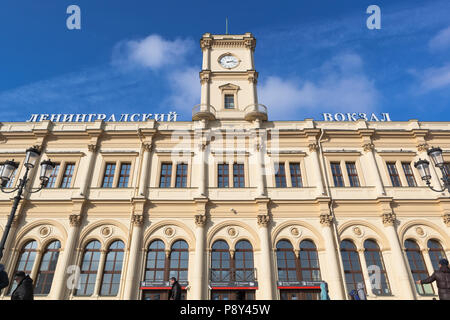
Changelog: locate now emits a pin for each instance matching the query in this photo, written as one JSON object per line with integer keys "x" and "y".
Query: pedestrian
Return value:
{"x": 361, "y": 291}
{"x": 175, "y": 293}
{"x": 442, "y": 278}
{"x": 4, "y": 281}
{"x": 324, "y": 291}
{"x": 24, "y": 290}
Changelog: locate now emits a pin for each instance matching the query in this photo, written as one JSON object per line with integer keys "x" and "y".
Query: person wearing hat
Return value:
{"x": 442, "y": 278}
{"x": 24, "y": 290}
{"x": 4, "y": 281}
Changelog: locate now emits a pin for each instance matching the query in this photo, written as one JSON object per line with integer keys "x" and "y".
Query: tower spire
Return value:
{"x": 226, "y": 25}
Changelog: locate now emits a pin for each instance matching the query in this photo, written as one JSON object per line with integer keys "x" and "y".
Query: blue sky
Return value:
{"x": 144, "y": 57}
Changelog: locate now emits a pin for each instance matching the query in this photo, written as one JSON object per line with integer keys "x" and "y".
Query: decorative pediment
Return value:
{"x": 229, "y": 86}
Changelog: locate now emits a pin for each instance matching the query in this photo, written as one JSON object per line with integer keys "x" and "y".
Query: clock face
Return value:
{"x": 228, "y": 61}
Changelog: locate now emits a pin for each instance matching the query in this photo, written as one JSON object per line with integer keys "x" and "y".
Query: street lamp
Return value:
{"x": 424, "y": 168}
{"x": 6, "y": 172}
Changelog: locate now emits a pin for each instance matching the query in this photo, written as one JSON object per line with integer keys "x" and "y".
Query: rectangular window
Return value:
{"x": 409, "y": 174}
{"x": 166, "y": 175}
{"x": 352, "y": 174}
{"x": 67, "y": 176}
{"x": 229, "y": 101}
{"x": 280, "y": 175}
{"x": 124, "y": 175}
{"x": 337, "y": 174}
{"x": 296, "y": 175}
{"x": 181, "y": 179}
{"x": 447, "y": 169}
{"x": 52, "y": 180}
{"x": 11, "y": 181}
{"x": 238, "y": 175}
{"x": 393, "y": 173}
{"x": 222, "y": 175}
{"x": 108, "y": 177}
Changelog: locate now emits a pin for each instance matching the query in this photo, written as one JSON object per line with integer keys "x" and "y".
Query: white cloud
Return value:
{"x": 434, "y": 78}
{"x": 341, "y": 87}
{"x": 152, "y": 52}
{"x": 185, "y": 89}
{"x": 440, "y": 41}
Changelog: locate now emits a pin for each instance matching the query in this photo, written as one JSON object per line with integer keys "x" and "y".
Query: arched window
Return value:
{"x": 375, "y": 266}
{"x": 26, "y": 261}
{"x": 243, "y": 260}
{"x": 286, "y": 261}
{"x": 113, "y": 269}
{"x": 417, "y": 266}
{"x": 352, "y": 265}
{"x": 309, "y": 261}
{"x": 179, "y": 260}
{"x": 47, "y": 268}
{"x": 220, "y": 262}
{"x": 89, "y": 268}
{"x": 156, "y": 261}
{"x": 436, "y": 253}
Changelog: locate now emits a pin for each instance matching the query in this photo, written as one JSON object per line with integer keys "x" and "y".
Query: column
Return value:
{"x": 259, "y": 150}
{"x": 201, "y": 166}
{"x": 365, "y": 272}
{"x": 429, "y": 265}
{"x": 98, "y": 279}
{"x": 199, "y": 276}
{"x": 369, "y": 148}
{"x": 131, "y": 281}
{"x": 145, "y": 169}
{"x": 36, "y": 264}
{"x": 335, "y": 282}
{"x": 9, "y": 245}
{"x": 265, "y": 279}
{"x": 88, "y": 173}
{"x": 313, "y": 149}
{"x": 398, "y": 258}
{"x": 59, "y": 282}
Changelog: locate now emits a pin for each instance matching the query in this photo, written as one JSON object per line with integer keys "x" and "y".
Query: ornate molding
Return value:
{"x": 368, "y": 147}
{"x": 75, "y": 220}
{"x": 200, "y": 220}
{"x": 313, "y": 147}
{"x": 252, "y": 76}
{"x": 250, "y": 43}
{"x": 388, "y": 218}
{"x": 137, "y": 219}
{"x": 263, "y": 220}
{"x": 92, "y": 147}
{"x": 206, "y": 43}
{"x": 148, "y": 146}
{"x": 326, "y": 219}
{"x": 422, "y": 147}
{"x": 205, "y": 76}
{"x": 446, "y": 218}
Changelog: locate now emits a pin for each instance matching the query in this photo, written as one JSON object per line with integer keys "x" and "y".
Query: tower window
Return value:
{"x": 229, "y": 101}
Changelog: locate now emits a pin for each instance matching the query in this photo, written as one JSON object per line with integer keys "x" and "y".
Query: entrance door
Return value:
{"x": 307, "y": 294}
{"x": 160, "y": 294}
{"x": 233, "y": 295}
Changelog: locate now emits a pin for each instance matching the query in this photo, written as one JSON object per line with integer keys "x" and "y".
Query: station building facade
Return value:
{"x": 231, "y": 204}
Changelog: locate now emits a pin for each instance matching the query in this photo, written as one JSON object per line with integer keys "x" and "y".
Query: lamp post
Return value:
{"x": 424, "y": 168}
{"x": 6, "y": 172}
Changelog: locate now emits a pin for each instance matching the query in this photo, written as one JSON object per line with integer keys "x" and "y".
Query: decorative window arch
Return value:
{"x": 352, "y": 265}
{"x": 47, "y": 268}
{"x": 156, "y": 261}
{"x": 179, "y": 260}
{"x": 220, "y": 262}
{"x": 26, "y": 261}
{"x": 375, "y": 266}
{"x": 286, "y": 261}
{"x": 113, "y": 269}
{"x": 243, "y": 261}
{"x": 309, "y": 261}
{"x": 89, "y": 268}
{"x": 436, "y": 252}
{"x": 417, "y": 267}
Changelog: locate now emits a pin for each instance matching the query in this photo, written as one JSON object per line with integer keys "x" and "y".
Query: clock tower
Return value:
{"x": 228, "y": 79}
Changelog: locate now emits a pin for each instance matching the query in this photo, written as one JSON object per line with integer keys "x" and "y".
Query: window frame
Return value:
{"x": 112, "y": 272}
{"x": 352, "y": 173}
{"x": 409, "y": 176}
{"x": 421, "y": 273}
{"x": 53, "y": 252}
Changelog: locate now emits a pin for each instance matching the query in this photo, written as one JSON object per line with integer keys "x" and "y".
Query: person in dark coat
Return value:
{"x": 175, "y": 293}
{"x": 442, "y": 278}
{"x": 4, "y": 281}
{"x": 24, "y": 290}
